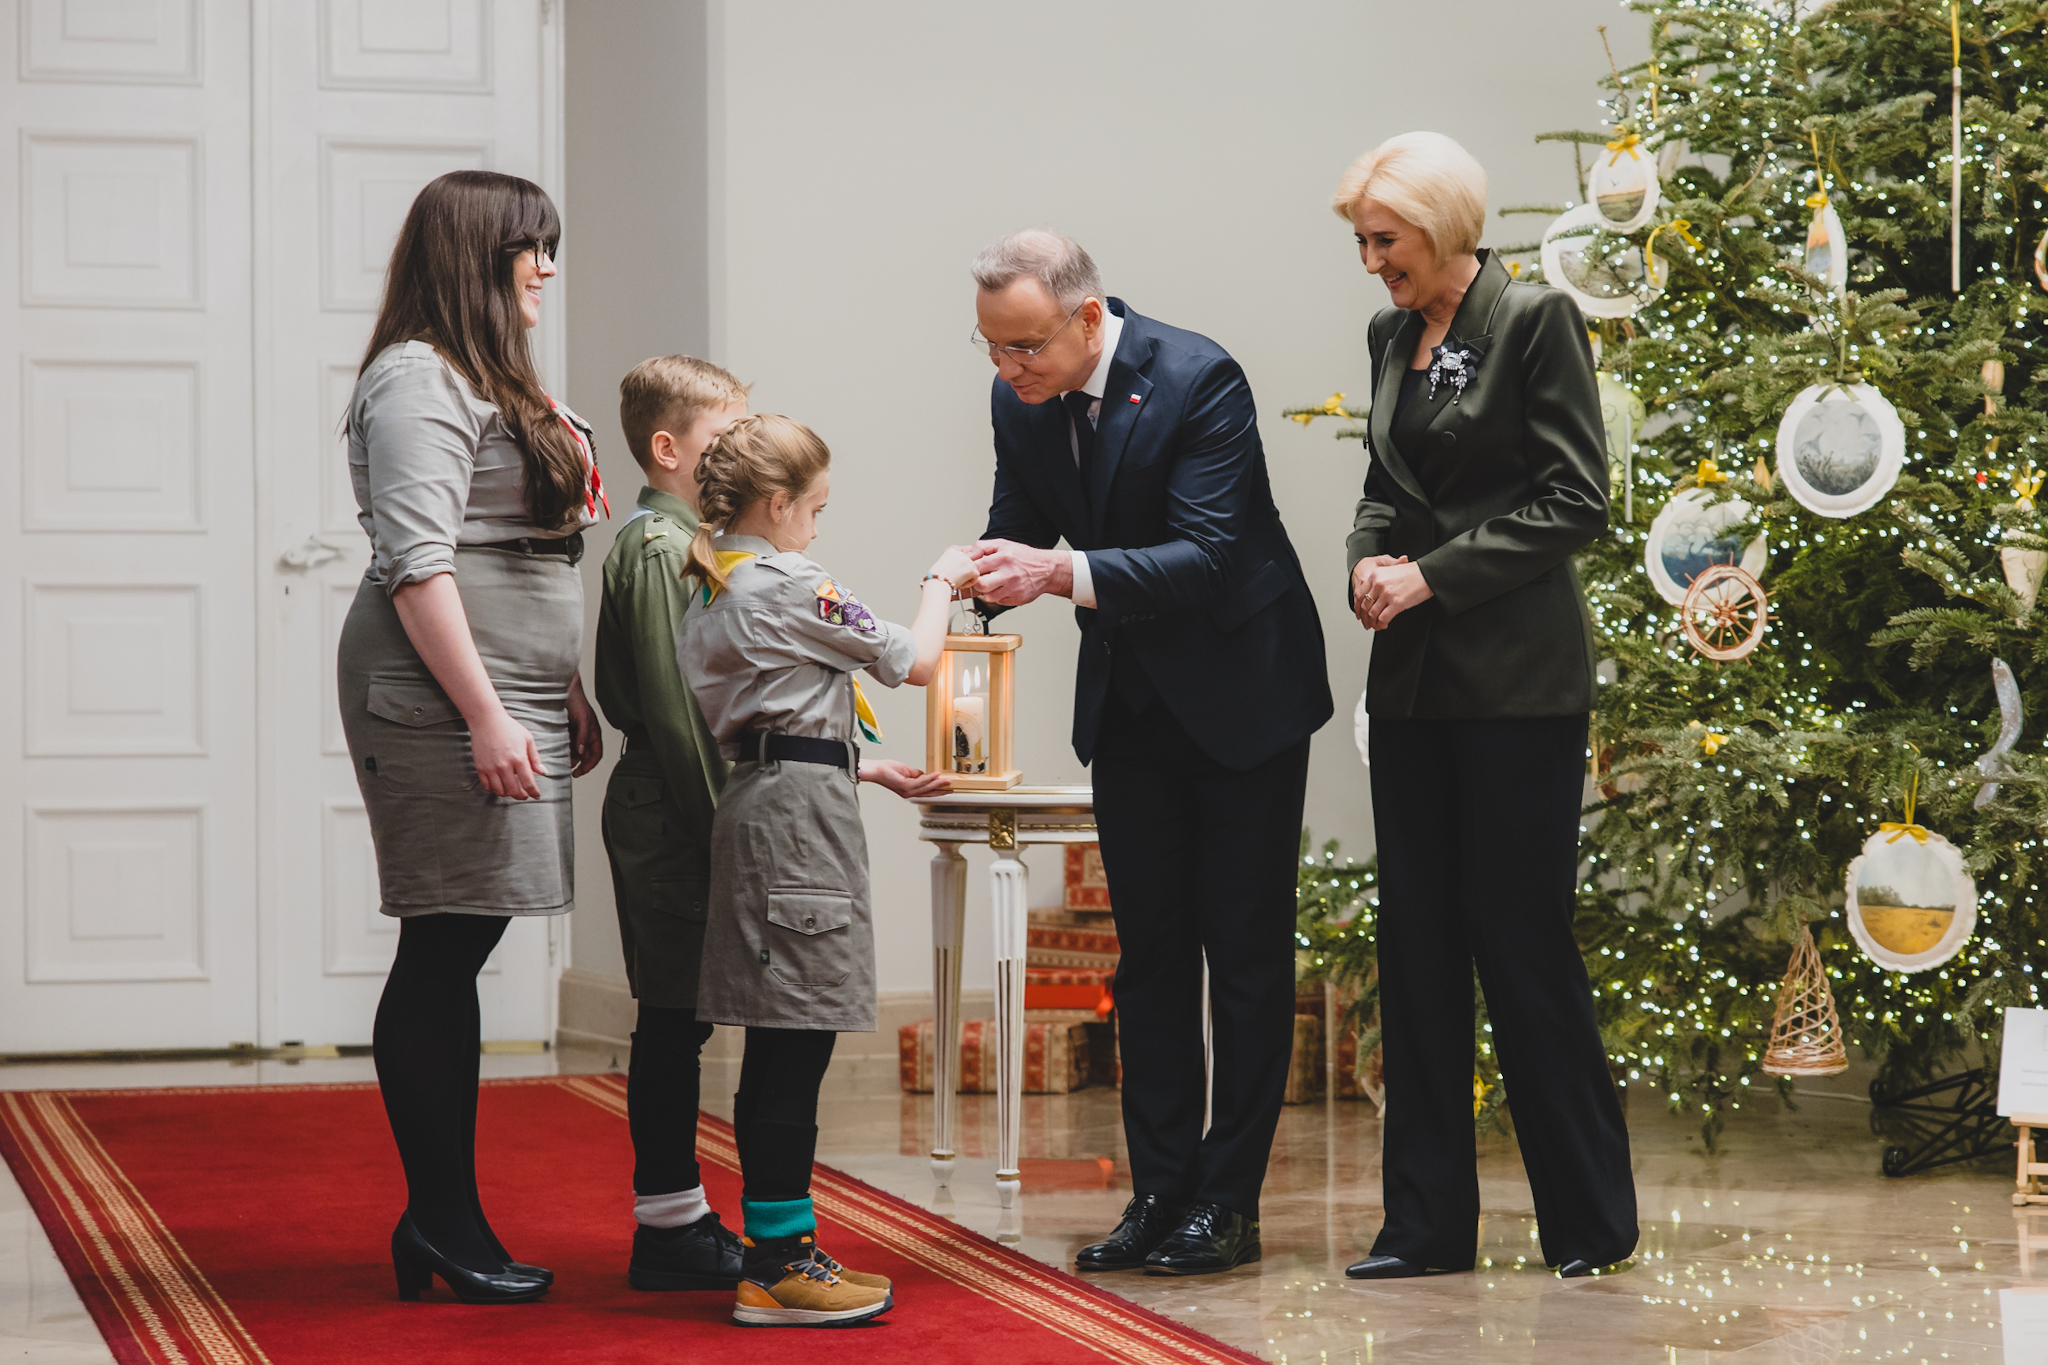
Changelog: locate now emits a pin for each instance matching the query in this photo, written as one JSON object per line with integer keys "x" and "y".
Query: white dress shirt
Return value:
{"x": 1112, "y": 331}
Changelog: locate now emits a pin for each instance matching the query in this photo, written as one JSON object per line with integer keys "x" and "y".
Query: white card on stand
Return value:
{"x": 2023, "y": 1063}
{"x": 2023, "y": 1317}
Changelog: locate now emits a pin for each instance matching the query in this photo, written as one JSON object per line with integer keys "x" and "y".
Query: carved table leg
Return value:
{"x": 1010, "y": 899}
{"x": 949, "y": 919}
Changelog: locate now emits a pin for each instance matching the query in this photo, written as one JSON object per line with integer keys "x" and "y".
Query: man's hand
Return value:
{"x": 1013, "y": 574}
{"x": 912, "y": 784}
{"x": 1383, "y": 587}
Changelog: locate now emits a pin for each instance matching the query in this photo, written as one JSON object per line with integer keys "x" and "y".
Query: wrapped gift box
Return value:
{"x": 1057, "y": 1057}
{"x": 1305, "y": 1062}
{"x": 1087, "y": 885}
{"x": 1068, "y": 988}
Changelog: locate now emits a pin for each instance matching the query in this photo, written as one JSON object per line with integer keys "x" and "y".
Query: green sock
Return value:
{"x": 778, "y": 1218}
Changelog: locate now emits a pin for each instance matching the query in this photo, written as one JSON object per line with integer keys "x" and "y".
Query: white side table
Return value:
{"x": 1004, "y": 821}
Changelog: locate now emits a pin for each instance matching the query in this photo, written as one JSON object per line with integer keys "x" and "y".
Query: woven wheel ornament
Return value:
{"x": 1724, "y": 613}
{"x": 1806, "y": 1035}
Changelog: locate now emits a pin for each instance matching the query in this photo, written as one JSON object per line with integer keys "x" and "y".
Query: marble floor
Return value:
{"x": 1785, "y": 1247}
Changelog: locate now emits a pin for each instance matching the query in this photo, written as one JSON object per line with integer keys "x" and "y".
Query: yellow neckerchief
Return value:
{"x": 728, "y": 560}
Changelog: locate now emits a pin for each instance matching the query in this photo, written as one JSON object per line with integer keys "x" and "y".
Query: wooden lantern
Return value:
{"x": 969, "y": 706}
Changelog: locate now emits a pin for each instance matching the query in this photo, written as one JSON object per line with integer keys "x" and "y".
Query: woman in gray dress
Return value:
{"x": 459, "y": 693}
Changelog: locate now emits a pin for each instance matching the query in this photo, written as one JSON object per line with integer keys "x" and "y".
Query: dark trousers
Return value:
{"x": 1200, "y": 860}
{"x": 664, "y": 1078}
{"x": 1478, "y": 833}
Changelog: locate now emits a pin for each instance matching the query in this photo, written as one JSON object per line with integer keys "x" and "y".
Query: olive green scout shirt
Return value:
{"x": 639, "y": 686}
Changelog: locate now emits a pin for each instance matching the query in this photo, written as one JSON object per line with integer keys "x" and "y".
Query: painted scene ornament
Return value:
{"x": 1840, "y": 448}
{"x": 1607, "y": 275}
{"x": 1691, "y": 535}
{"x": 1911, "y": 905}
{"x": 1622, "y": 186}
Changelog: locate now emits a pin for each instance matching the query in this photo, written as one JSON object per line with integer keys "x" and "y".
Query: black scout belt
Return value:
{"x": 797, "y": 749}
{"x": 566, "y": 547}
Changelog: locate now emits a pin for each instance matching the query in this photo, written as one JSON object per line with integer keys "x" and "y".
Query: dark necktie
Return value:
{"x": 1084, "y": 431}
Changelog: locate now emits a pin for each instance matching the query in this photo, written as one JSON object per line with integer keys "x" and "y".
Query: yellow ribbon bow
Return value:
{"x": 1333, "y": 406}
{"x": 2026, "y": 487}
{"x": 1625, "y": 143}
{"x": 1709, "y": 472}
{"x": 1681, "y": 226}
{"x": 1900, "y": 828}
{"x": 1710, "y": 740}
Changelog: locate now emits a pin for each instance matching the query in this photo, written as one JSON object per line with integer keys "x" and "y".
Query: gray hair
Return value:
{"x": 1059, "y": 263}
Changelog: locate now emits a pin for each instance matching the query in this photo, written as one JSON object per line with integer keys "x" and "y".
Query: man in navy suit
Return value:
{"x": 1201, "y": 678}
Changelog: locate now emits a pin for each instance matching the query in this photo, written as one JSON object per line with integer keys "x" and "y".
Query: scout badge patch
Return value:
{"x": 838, "y": 607}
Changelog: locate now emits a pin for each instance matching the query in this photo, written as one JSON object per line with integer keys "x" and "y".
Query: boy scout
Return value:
{"x": 657, "y": 815}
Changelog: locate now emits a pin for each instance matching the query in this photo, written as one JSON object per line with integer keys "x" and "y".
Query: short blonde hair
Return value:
{"x": 666, "y": 393}
{"x": 1427, "y": 179}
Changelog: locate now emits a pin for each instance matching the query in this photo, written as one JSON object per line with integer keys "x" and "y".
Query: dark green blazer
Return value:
{"x": 1512, "y": 482}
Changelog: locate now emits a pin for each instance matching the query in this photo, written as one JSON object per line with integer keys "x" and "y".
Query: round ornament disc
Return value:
{"x": 1667, "y": 157}
{"x": 1911, "y": 904}
{"x": 1840, "y": 448}
{"x": 1361, "y": 731}
{"x": 1622, "y": 188}
{"x": 1605, "y": 274}
{"x": 1724, "y": 614}
{"x": 1690, "y": 536}
{"x": 1827, "y": 253}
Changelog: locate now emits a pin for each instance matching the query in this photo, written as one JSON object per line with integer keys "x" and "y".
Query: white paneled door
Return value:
{"x": 208, "y": 191}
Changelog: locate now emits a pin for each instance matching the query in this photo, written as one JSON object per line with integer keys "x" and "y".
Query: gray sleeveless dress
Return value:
{"x": 436, "y": 477}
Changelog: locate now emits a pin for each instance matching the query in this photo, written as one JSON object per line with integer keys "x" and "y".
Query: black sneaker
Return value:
{"x": 700, "y": 1255}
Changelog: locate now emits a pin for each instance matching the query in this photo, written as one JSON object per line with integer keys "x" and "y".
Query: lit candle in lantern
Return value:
{"x": 970, "y": 727}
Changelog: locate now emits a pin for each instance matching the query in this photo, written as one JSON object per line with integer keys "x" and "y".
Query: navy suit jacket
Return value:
{"x": 1194, "y": 575}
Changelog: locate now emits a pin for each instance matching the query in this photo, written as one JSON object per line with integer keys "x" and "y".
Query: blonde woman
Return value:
{"x": 1488, "y": 473}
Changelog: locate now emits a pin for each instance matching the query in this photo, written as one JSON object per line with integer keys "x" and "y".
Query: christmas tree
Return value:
{"x": 1733, "y": 795}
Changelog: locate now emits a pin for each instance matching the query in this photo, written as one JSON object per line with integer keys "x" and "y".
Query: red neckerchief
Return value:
{"x": 593, "y": 493}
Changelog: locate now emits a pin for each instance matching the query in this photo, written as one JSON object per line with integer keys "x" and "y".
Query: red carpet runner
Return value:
{"x": 219, "y": 1226}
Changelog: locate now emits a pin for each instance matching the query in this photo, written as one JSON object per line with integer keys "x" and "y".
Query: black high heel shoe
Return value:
{"x": 416, "y": 1263}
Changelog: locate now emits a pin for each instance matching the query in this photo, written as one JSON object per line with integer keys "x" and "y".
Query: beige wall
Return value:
{"x": 860, "y": 154}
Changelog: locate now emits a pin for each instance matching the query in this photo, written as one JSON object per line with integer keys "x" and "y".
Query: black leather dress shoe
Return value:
{"x": 1146, "y": 1221}
{"x": 701, "y": 1255}
{"x": 1384, "y": 1268}
{"x": 1209, "y": 1239}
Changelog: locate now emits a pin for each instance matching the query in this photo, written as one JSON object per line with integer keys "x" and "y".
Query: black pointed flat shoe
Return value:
{"x": 1146, "y": 1221}
{"x": 1386, "y": 1268}
{"x": 415, "y": 1263}
{"x": 1576, "y": 1269}
{"x": 1209, "y": 1240}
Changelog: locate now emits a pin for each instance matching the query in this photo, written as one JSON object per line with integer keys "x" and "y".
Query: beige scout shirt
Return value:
{"x": 433, "y": 467}
{"x": 776, "y": 649}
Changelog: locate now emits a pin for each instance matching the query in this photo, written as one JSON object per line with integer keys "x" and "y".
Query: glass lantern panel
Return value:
{"x": 967, "y": 709}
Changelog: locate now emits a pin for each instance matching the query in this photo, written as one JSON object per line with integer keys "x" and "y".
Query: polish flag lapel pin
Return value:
{"x": 1135, "y": 398}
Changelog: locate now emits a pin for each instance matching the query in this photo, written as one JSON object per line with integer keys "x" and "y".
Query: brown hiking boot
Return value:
{"x": 787, "y": 1286}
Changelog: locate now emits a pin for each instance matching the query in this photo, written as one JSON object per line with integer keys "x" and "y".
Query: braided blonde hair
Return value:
{"x": 754, "y": 458}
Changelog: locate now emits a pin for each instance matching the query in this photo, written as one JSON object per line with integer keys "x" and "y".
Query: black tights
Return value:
{"x": 428, "y": 1041}
{"x": 775, "y": 1113}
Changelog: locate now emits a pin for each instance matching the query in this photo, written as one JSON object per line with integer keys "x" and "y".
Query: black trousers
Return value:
{"x": 664, "y": 1078}
{"x": 1478, "y": 832}
{"x": 1200, "y": 860}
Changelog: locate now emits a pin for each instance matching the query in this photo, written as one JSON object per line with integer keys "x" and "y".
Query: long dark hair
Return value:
{"x": 450, "y": 285}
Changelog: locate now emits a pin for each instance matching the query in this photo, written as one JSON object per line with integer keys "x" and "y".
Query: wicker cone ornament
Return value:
{"x": 1806, "y": 1036}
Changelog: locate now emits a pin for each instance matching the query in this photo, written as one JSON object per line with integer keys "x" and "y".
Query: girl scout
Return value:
{"x": 789, "y": 941}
